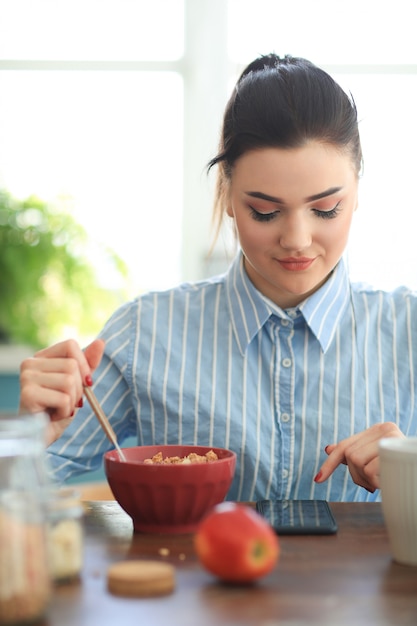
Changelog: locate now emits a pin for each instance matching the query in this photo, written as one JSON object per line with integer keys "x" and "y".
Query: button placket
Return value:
{"x": 285, "y": 400}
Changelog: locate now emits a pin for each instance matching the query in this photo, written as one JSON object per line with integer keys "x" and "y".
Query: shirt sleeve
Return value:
{"x": 81, "y": 447}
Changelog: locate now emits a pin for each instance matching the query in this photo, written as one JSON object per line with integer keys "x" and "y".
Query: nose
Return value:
{"x": 295, "y": 234}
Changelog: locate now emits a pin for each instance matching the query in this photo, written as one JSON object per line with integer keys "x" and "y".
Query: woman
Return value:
{"x": 281, "y": 359}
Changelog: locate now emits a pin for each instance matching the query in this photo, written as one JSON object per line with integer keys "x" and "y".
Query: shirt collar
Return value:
{"x": 250, "y": 310}
{"x": 323, "y": 309}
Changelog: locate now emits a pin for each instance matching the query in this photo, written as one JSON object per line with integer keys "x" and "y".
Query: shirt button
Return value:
{"x": 286, "y": 362}
{"x": 285, "y": 473}
{"x": 284, "y": 322}
{"x": 285, "y": 417}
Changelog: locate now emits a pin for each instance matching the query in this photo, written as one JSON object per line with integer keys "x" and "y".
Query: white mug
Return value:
{"x": 398, "y": 481}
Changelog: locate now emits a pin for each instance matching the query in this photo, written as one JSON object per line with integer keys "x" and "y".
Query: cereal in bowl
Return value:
{"x": 158, "y": 459}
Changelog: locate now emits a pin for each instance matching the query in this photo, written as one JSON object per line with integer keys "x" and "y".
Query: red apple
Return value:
{"x": 236, "y": 544}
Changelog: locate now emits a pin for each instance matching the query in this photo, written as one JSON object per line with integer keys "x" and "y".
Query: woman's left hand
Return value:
{"x": 360, "y": 454}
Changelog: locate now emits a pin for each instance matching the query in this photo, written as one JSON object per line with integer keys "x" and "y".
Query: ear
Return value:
{"x": 228, "y": 201}
{"x": 357, "y": 196}
{"x": 225, "y": 197}
{"x": 356, "y": 203}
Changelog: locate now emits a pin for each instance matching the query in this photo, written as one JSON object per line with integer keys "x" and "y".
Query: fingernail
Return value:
{"x": 80, "y": 403}
{"x": 88, "y": 381}
{"x": 326, "y": 448}
{"x": 317, "y": 477}
{"x": 72, "y": 414}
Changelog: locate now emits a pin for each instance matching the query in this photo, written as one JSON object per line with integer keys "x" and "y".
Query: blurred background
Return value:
{"x": 109, "y": 113}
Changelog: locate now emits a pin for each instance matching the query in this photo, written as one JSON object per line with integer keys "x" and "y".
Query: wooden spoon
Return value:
{"x": 101, "y": 416}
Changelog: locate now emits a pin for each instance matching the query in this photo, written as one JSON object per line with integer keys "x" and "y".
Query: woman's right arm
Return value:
{"x": 53, "y": 380}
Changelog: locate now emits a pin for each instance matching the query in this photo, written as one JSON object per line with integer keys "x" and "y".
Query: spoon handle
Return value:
{"x": 105, "y": 424}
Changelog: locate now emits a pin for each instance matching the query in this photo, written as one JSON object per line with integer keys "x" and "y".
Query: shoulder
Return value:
{"x": 187, "y": 295}
{"x": 368, "y": 292}
{"x": 373, "y": 301}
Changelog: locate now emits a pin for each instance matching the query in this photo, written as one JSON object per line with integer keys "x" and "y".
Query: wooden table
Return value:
{"x": 340, "y": 580}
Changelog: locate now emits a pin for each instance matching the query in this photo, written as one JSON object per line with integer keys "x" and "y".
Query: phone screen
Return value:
{"x": 298, "y": 517}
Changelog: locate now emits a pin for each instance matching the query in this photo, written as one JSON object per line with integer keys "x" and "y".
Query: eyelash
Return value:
{"x": 328, "y": 215}
{"x": 262, "y": 217}
{"x": 267, "y": 217}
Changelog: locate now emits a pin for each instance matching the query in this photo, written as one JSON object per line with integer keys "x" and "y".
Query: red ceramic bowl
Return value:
{"x": 170, "y": 498}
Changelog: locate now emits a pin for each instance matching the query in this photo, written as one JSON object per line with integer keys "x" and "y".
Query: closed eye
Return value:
{"x": 328, "y": 215}
{"x": 263, "y": 217}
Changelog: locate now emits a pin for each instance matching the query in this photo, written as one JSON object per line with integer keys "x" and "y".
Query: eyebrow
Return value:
{"x": 313, "y": 198}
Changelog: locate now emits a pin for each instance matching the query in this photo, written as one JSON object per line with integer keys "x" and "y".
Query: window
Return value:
{"x": 368, "y": 47}
{"x": 114, "y": 107}
{"x": 92, "y": 30}
{"x": 84, "y": 126}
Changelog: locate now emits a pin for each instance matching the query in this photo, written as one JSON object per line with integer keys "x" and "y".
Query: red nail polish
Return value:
{"x": 88, "y": 381}
{"x": 80, "y": 403}
{"x": 317, "y": 477}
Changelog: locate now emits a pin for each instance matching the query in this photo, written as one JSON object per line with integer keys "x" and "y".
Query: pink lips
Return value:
{"x": 296, "y": 264}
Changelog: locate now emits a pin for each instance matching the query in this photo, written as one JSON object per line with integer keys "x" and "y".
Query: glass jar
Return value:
{"x": 65, "y": 534}
{"x": 24, "y": 567}
{"x": 25, "y": 583}
{"x": 22, "y": 452}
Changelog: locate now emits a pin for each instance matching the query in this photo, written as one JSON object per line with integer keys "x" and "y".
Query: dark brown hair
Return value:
{"x": 283, "y": 103}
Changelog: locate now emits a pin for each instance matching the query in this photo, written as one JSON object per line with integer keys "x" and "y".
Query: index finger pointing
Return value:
{"x": 335, "y": 458}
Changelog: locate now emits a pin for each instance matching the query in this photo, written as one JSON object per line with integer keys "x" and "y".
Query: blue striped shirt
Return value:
{"x": 216, "y": 363}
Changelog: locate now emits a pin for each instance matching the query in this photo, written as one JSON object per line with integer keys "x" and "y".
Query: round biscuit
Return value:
{"x": 140, "y": 578}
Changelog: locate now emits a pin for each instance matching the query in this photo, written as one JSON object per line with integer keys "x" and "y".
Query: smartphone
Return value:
{"x": 298, "y": 517}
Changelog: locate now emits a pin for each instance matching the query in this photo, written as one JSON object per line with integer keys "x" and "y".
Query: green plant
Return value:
{"x": 48, "y": 285}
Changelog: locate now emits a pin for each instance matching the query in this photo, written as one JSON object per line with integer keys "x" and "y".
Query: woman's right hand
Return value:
{"x": 52, "y": 381}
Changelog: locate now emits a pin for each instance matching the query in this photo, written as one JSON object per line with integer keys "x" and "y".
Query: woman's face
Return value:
{"x": 293, "y": 210}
